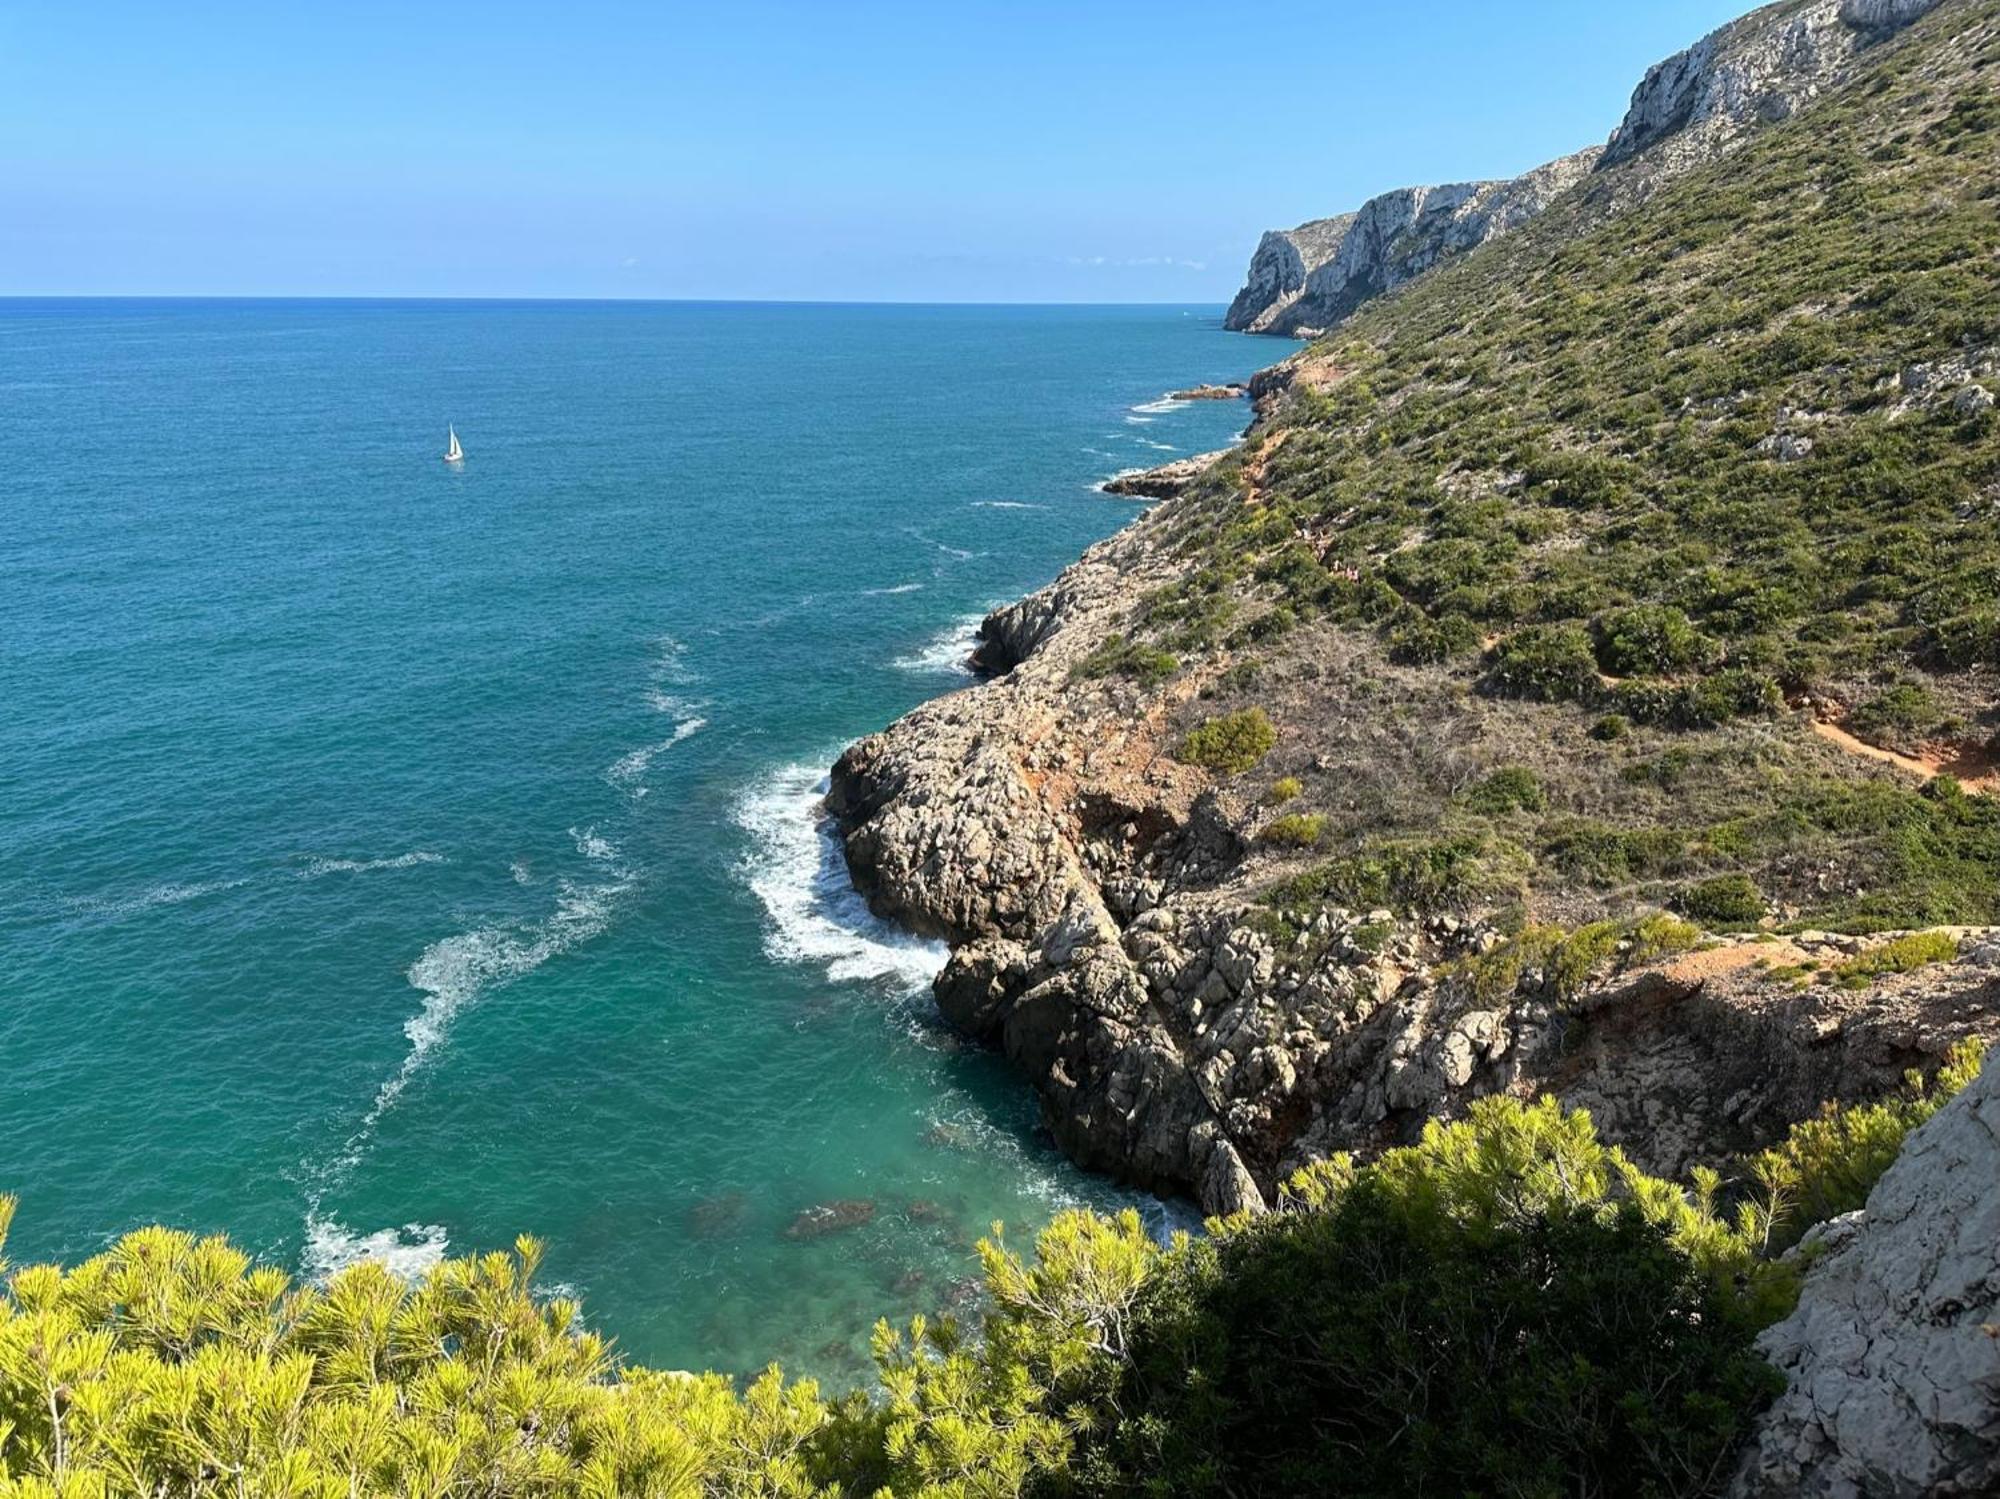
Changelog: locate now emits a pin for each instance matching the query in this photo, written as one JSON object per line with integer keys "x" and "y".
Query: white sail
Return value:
{"x": 452, "y": 453}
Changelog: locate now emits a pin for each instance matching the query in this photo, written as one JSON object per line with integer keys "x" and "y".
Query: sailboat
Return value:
{"x": 453, "y": 453}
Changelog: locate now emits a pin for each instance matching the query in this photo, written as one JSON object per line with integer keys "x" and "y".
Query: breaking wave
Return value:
{"x": 408, "y": 1252}
{"x": 950, "y": 651}
{"x": 814, "y": 915}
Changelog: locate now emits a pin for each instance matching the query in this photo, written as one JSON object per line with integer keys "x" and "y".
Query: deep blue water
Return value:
{"x": 395, "y": 857}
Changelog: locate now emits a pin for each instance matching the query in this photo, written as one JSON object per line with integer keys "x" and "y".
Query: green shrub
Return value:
{"x": 1424, "y": 641}
{"x": 1509, "y": 789}
{"x": 1727, "y": 901}
{"x": 1298, "y": 830}
{"x": 1423, "y": 874}
{"x": 1350, "y": 1347}
{"x": 1611, "y": 728}
{"x": 1903, "y": 715}
{"x": 1971, "y": 639}
{"x": 1828, "y": 1165}
{"x": 1660, "y": 936}
{"x": 1650, "y": 640}
{"x": 1285, "y": 789}
{"x": 1549, "y": 663}
{"x": 1117, "y": 656}
{"x": 1898, "y": 955}
{"x": 1231, "y": 743}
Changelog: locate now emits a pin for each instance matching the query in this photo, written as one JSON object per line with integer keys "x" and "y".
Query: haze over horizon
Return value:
{"x": 890, "y": 152}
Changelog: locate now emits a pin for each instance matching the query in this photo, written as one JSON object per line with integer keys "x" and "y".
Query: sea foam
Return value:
{"x": 317, "y": 868}
{"x": 408, "y": 1252}
{"x": 628, "y": 768}
{"x": 814, "y": 914}
{"x": 949, "y": 651}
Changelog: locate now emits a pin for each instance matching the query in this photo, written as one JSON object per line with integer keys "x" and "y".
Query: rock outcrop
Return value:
{"x": 1311, "y": 277}
{"x": 1106, "y": 937}
{"x": 1687, "y": 111}
{"x": 1752, "y": 72}
{"x": 1893, "y": 1355}
{"x": 1164, "y": 482}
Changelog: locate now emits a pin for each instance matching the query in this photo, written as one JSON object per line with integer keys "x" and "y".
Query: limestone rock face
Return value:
{"x": 1755, "y": 71}
{"x": 1687, "y": 111}
{"x": 1166, "y": 481}
{"x": 1278, "y": 271}
{"x": 1894, "y": 1353}
{"x": 1317, "y": 274}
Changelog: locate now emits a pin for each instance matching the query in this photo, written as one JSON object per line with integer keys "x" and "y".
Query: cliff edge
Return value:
{"x": 1688, "y": 111}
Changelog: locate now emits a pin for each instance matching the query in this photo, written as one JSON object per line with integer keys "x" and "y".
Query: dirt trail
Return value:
{"x": 1976, "y": 768}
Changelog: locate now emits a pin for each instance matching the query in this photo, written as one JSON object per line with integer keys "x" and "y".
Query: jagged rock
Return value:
{"x": 1972, "y": 400}
{"x": 1785, "y": 447}
{"x": 1893, "y": 1355}
{"x": 1210, "y": 393}
{"x": 1166, "y": 481}
{"x": 1319, "y": 273}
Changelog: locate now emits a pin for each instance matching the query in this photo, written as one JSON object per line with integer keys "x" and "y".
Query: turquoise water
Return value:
{"x": 396, "y": 858}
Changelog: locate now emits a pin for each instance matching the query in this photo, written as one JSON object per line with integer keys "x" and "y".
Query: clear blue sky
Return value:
{"x": 843, "y": 149}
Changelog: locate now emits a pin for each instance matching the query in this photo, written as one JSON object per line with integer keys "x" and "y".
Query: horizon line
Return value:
{"x": 602, "y": 301}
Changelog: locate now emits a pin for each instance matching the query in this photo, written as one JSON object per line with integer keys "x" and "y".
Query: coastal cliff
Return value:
{"x": 1510, "y": 817}
{"x": 1583, "y": 682}
{"x": 1689, "y": 111}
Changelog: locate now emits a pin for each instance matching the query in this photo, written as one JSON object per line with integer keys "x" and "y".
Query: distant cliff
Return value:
{"x": 1686, "y": 112}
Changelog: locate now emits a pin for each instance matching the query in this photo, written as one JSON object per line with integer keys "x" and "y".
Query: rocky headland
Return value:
{"x": 1583, "y": 681}
{"x": 1687, "y": 112}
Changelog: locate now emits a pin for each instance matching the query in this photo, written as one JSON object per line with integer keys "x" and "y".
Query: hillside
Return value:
{"x": 1625, "y": 586}
{"x": 1689, "y": 111}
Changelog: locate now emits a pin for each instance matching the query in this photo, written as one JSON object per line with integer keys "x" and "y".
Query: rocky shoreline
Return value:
{"x": 1098, "y": 897}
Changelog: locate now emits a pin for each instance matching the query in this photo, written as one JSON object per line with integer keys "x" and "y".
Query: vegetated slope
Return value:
{"x": 1688, "y": 111}
{"x": 1733, "y": 451}
{"x": 1401, "y": 758}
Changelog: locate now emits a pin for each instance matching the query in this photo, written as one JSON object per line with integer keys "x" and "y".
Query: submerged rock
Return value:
{"x": 831, "y": 1218}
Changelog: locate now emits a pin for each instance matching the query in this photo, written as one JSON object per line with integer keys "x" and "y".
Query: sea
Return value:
{"x": 399, "y": 857}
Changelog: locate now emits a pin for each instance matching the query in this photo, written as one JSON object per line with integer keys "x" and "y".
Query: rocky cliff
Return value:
{"x": 1893, "y": 1355}
{"x": 1566, "y": 685}
{"x": 1101, "y": 899}
{"x": 1687, "y": 111}
{"x": 1307, "y": 279}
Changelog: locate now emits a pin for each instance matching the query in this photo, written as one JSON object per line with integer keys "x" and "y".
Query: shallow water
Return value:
{"x": 395, "y": 858}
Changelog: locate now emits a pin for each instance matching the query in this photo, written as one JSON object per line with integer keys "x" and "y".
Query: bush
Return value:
{"x": 1299, "y": 830}
{"x": 1231, "y": 743}
{"x": 1418, "y": 873}
{"x": 1903, "y": 716}
{"x": 1967, "y": 640}
{"x": 1650, "y": 640}
{"x": 1611, "y": 728}
{"x": 1358, "y": 1338}
{"x": 1730, "y": 900}
{"x": 1424, "y": 641}
{"x": 1898, "y": 955}
{"x": 1285, "y": 789}
{"x": 1548, "y": 663}
{"x": 1827, "y": 1166}
{"x": 1511, "y": 788}
{"x": 1117, "y": 656}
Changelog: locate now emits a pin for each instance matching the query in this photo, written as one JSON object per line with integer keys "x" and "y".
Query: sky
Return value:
{"x": 846, "y": 150}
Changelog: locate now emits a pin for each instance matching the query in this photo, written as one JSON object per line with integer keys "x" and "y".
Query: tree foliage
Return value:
{"x": 1509, "y": 1306}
